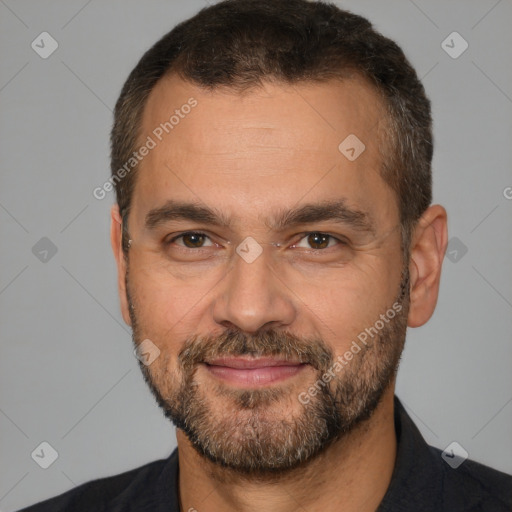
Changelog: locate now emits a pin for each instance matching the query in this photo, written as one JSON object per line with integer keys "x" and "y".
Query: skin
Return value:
{"x": 250, "y": 155}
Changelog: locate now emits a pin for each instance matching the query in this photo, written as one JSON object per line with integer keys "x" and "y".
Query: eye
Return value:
{"x": 190, "y": 239}
{"x": 319, "y": 241}
{"x": 316, "y": 240}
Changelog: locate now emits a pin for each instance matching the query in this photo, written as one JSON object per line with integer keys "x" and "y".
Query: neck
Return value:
{"x": 353, "y": 474}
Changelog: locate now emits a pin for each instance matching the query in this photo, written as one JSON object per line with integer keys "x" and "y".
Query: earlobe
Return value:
{"x": 428, "y": 246}
{"x": 116, "y": 243}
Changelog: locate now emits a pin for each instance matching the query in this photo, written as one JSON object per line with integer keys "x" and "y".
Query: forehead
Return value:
{"x": 323, "y": 107}
{"x": 275, "y": 142}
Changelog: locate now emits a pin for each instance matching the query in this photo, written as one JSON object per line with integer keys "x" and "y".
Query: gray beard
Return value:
{"x": 244, "y": 437}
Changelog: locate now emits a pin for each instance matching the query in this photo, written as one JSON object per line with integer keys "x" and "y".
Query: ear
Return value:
{"x": 428, "y": 246}
{"x": 116, "y": 242}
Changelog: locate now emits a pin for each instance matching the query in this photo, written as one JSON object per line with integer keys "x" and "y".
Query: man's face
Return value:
{"x": 301, "y": 291}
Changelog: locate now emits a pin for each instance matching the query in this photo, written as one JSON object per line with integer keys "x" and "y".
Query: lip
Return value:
{"x": 251, "y": 363}
{"x": 254, "y": 372}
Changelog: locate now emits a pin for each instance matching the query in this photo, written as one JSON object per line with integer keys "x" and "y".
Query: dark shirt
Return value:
{"x": 421, "y": 482}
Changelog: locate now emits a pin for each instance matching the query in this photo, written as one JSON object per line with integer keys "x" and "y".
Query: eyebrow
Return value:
{"x": 335, "y": 211}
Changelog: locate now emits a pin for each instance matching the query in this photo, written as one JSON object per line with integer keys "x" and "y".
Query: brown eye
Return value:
{"x": 191, "y": 240}
{"x": 318, "y": 240}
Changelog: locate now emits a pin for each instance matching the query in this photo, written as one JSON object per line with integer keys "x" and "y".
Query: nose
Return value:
{"x": 253, "y": 297}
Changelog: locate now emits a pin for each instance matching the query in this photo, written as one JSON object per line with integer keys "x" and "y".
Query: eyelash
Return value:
{"x": 304, "y": 235}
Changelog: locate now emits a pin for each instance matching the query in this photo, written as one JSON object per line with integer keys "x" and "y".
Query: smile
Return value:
{"x": 252, "y": 373}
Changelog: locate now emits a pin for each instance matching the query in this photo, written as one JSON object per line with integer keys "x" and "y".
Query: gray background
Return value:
{"x": 68, "y": 374}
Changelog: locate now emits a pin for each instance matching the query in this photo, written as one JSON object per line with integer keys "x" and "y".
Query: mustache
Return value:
{"x": 234, "y": 343}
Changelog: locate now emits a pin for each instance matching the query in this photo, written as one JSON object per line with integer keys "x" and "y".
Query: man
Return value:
{"x": 274, "y": 238}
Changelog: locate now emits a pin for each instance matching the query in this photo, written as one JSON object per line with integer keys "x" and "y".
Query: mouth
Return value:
{"x": 253, "y": 372}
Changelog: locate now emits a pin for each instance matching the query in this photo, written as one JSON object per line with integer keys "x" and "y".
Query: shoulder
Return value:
{"x": 102, "y": 492}
{"x": 475, "y": 486}
{"x": 425, "y": 480}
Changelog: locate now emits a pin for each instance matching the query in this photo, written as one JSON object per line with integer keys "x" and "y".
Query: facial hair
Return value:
{"x": 262, "y": 432}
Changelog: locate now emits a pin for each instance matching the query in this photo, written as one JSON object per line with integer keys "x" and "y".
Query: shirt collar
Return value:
{"x": 416, "y": 477}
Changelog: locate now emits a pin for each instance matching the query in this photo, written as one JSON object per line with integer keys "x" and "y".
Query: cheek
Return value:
{"x": 152, "y": 280}
{"x": 167, "y": 309}
{"x": 165, "y": 374}
{"x": 353, "y": 302}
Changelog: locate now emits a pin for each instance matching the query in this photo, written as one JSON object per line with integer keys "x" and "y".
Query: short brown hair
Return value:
{"x": 242, "y": 43}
